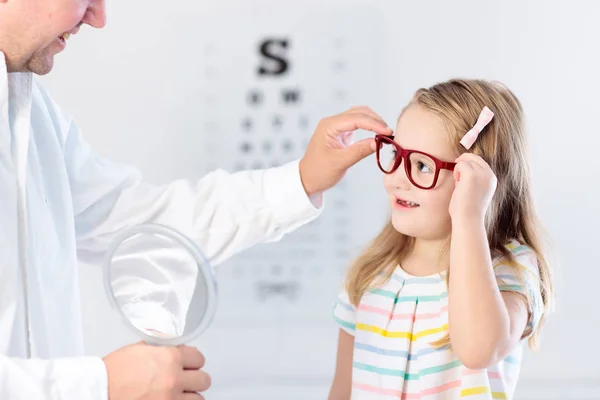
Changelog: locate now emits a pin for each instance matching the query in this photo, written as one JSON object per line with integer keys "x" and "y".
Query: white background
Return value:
{"x": 126, "y": 92}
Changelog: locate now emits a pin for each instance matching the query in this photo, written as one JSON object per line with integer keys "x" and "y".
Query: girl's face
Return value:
{"x": 422, "y": 214}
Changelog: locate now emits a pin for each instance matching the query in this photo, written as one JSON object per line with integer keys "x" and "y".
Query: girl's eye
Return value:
{"x": 422, "y": 167}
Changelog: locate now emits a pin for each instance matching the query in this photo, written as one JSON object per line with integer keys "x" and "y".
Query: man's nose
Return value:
{"x": 96, "y": 14}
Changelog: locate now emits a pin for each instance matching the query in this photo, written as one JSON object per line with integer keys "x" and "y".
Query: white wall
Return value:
{"x": 137, "y": 90}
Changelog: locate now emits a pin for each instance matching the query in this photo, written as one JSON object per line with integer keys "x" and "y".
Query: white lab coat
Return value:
{"x": 61, "y": 201}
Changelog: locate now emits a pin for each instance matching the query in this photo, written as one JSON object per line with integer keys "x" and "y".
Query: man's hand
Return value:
{"x": 145, "y": 372}
{"x": 330, "y": 152}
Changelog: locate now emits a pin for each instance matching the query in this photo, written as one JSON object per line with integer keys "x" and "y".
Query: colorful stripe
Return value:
{"x": 345, "y": 324}
{"x": 507, "y": 277}
{"x": 403, "y": 395}
{"x": 407, "y": 376}
{"x": 511, "y": 288}
{"x": 401, "y": 299}
{"x": 440, "y": 368}
{"x": 429, "y": 392}
{"x": 490, "y": 374}
{"x": 399, "y": 353}
{"x": 442, "y": 388}
{"x": 515, "y": 249}
{"x": 384, "y": 371}
{"x": 512, "y": 360}
{"x": 374, "y": 389}
{"x": 346, "y": 306}
{"x": 482, "y": 390}
{"x": 409, "y": 316}
{"x": 400, "y": 335}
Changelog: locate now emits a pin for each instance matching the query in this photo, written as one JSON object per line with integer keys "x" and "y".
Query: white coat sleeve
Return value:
{"x": 81, "y": 378}
{"x": 224, "y": 213}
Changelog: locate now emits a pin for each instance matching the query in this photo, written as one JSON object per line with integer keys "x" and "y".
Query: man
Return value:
{"x": 61, "y": 202}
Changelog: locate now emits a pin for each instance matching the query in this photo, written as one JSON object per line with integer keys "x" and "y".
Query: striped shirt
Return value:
{"x": 396, "y": 322}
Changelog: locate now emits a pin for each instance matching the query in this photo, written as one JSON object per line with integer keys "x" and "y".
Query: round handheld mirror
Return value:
{"x": 161, "y": 284}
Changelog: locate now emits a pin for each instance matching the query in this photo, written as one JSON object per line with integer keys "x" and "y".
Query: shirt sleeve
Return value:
{"x": 524, "y": 280}
{"x": 344, "y": 313}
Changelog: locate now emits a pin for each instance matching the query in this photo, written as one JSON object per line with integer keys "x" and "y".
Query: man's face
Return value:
{"x": 36, "y": 30}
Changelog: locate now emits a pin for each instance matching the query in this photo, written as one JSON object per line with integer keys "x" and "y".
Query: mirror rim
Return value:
{"x": 205, "y": 270}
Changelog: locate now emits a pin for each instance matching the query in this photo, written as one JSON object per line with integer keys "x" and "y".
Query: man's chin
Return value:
{"x": 41, "y": 68}
{"x": 42, "y": 63}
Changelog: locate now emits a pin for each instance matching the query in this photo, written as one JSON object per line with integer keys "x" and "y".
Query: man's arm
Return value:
{"x": 223, "y": 213}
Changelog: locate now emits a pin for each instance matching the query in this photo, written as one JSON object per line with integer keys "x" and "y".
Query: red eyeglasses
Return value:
{"x": 421, "y": 168}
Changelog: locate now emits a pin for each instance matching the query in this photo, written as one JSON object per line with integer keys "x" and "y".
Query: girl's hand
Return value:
{"x": 475, "y": 184}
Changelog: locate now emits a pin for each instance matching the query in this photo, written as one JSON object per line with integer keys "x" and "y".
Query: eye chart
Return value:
{"x": 263, "y": 81}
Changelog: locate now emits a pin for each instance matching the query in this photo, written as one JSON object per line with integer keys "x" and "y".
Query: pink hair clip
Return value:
{"x": 485, "y": 117}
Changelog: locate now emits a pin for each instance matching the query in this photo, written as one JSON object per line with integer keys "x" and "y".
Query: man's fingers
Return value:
{"x": 191, "y": 358}
{"x": 195, "y": 381}
{"x": 357, "y": 152}
{"x": 364, "y": 110}
{"x": 351, "y": 122}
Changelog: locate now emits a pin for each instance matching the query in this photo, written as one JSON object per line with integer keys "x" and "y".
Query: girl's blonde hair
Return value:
{"x": 503, "y": 145}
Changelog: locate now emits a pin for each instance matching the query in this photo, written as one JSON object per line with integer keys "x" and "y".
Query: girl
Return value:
{"x": 441, "y": 302}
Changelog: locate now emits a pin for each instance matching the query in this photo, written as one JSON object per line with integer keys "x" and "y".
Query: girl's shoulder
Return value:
{"x": 524, "y": 258}
{"x": 518, "y": 250}
{"x": 516, "y": 247}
